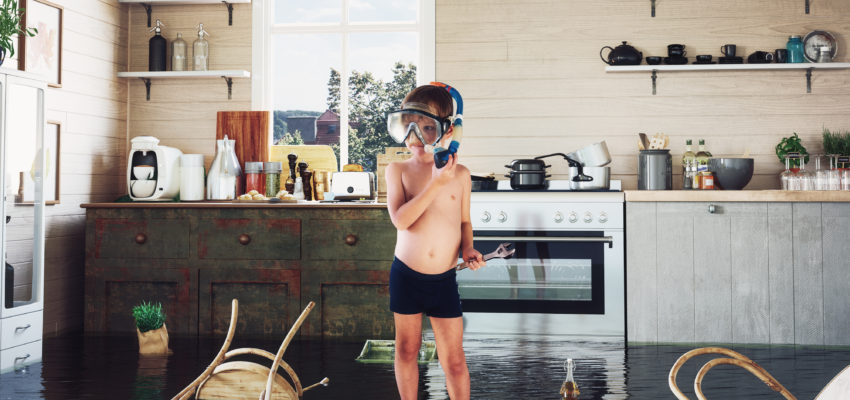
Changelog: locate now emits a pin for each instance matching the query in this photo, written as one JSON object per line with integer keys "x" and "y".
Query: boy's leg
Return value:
{"x": 408, "y": 340}
{"x": 448, "y": 333}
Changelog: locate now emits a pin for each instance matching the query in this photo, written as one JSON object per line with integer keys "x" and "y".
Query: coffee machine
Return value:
{"x": 153, "y": 171}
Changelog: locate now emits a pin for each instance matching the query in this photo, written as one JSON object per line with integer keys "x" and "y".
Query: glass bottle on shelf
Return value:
{"x": 702, "y": 157}
{"x": 178, "y": 53}
{"x": 201, "y": 51}
{"x": 688, "y": 166}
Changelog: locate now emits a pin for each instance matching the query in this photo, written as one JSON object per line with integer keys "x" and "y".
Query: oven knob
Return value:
{"x": 559, "y": 217}
{"x": 603, "y": 218}
{"x": 588, "y": 217}
{"x": 502, "y": 216}
{"x": 485, "y": 217}
{"x": 573, "y": 217}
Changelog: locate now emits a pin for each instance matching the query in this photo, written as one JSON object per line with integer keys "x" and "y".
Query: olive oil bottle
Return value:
{"x": 569, "y": 389}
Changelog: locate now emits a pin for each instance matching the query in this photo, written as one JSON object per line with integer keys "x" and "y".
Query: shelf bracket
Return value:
{"x": 229, "y": 12}
{"x": 229, "y": 87}
{"x": 807, "y": 6}
{"x": 148, "y": 9}
{"x": 809, "y": 80}
{"x": 653, "y": 8}
{"x": 654, "y": 76}
{"x": 147, "y": 82}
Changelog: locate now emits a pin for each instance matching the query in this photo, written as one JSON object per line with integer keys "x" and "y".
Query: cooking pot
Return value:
{"x": 595, "y": 155}
{"x": 524, "y": 180}
{"x": 622, "y": 55}
{"x": 600, "y": 178}
{"x": 483, "y": 183}
{"x": 528, "y": 165}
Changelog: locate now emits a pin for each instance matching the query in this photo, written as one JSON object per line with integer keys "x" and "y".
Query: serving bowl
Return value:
{"x": 731, "y": 173}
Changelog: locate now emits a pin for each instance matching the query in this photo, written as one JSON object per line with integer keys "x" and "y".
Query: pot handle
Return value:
{"x": 508, "y": 166}
{"x": 609, "y": 53}
{"x": 507, "y": 176}
{"x": 548, "y": 176}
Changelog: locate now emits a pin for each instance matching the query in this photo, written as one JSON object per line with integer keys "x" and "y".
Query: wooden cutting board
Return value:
{"x": 250, "y": 129}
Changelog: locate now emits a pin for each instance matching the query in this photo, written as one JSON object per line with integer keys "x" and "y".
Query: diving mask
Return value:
{"x": 416, "y": 118}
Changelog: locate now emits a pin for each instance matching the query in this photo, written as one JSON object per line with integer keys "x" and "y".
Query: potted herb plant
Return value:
{"x": 10, "y": 25}
{"x": 792, "y": 144}
{"x": 151, "y": 330}
{"x": 837, "y": 144}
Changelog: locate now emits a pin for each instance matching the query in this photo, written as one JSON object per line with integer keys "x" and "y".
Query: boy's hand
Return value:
{"x": 446, "y": 174}
{"x": 473, "y": 258}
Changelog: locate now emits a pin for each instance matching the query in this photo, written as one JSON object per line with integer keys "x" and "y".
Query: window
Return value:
{"x": 335, "y": 67}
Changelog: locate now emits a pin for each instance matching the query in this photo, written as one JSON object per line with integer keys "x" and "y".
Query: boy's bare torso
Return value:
{"x": 431, "y": 245}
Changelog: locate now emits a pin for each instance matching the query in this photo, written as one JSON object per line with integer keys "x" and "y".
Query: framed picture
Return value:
{"x": 42, "y": 53}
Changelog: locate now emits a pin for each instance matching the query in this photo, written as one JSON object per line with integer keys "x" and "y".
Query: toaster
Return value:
{"x": 353, "y": 185}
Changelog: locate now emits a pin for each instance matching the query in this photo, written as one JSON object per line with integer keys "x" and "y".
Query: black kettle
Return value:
{"x": 622, "y": 55}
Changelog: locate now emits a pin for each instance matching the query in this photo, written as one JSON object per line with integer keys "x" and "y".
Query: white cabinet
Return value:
{"x": 22, "y": 165}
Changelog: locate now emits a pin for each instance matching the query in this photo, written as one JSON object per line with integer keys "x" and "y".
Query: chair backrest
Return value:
{"x": 838, "y": 388}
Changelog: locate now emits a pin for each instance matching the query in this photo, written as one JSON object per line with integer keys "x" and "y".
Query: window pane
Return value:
{"x": 382, "y": 72}
{"x": 302, "y": 66}
{"x": 307, "y": 11}
{"x": 382, "y": 10}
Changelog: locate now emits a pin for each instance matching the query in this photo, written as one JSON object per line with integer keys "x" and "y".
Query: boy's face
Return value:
{"x": 427, "y": 127}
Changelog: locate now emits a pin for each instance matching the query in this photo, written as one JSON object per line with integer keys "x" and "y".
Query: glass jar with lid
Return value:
{"x": 254, "y": 179}
{"x": 272, "y": 170}
{"x": 795, "y": 49}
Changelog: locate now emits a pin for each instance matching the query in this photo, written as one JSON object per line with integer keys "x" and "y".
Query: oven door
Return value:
{"x": 567, "y": 282}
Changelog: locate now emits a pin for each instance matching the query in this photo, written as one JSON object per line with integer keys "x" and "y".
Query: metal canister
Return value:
{"x": 655, "y": 170}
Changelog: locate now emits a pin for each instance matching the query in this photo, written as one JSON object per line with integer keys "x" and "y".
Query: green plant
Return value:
{"x": 791, "y": 144}
{"x": 836, "y": 142}
{"x": 10, "y": 25}
{"x": 148, "y": 316}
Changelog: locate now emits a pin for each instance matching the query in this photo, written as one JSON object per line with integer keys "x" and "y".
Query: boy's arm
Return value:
{"x": 404, "y": 214}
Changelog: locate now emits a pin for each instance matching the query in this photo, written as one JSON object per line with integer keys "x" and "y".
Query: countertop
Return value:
{"x": 738, "y": 196}
{"x": 228, "y": 204}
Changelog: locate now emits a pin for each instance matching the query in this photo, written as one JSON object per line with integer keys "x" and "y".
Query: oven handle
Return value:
{"x": 574, "y": 239}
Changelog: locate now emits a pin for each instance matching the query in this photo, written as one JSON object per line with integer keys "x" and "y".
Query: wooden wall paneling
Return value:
{"x": 641, "y": 272}
{"x": 750, "y": 273}
{"x": 712, "y": 269}
{"x": 836, "y": 274}
{"x": 808, "y": 273}
{"x": 675, "y": 272}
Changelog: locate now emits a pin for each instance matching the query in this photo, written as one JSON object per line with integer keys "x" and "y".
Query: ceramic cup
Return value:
{"x": 780, "y": 55}
{"x": 704, "y": 58}
{"x": 653, "y": 60}
{"x": 142, "y": 189}
{"x": 728, "y": 50}
{"x": 143, "y": 172}
{"x": 676, "y": 50}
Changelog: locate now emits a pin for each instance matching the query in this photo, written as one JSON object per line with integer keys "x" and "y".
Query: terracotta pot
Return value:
{"x": 153, "y": 342}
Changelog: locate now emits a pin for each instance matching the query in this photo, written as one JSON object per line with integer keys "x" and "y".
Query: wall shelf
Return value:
{"x": 148, "y": 4}
{"x": 652, "y": 2}
{"x": 146, "y": 76}
{"x": 654, "y": 69}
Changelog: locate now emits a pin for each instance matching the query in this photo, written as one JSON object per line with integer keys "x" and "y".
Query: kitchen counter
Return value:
{"x": 738, "y": 196}
{"x": 229, "y": 204}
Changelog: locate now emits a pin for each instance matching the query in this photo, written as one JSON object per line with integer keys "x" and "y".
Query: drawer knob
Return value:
{"x": 350, "y": 239}
{"x": 141, "y": 238}
{"x": 244, "y": 239}
{"x": 22, "y": 328}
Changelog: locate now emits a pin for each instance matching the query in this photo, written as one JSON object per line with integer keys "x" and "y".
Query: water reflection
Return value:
{"x": 506, "y": 367}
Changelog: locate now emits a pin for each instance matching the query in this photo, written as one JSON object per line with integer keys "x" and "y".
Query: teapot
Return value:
{"x": 622, "y": 55}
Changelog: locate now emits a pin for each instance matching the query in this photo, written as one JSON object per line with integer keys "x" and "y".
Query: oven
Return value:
{"x": 567, "y": 275}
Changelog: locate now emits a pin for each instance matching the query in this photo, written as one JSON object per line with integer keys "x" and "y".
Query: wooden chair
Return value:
{"x": 838, "y": 388}
{"x": 248, "y": 380}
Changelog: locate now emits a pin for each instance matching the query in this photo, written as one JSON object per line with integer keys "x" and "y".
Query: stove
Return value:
{"x": 567, "y": 276}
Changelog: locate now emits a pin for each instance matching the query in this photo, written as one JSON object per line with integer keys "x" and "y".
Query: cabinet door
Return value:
{"x": 269, "y": 300}
{"x": 24, "y": 162}
{"x": 114, "y": 289}
{"x": 349, "y": 239}
{"x": 351, "y": 302}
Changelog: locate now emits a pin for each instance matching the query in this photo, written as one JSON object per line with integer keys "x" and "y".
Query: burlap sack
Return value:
{"x": 153, "y": 342}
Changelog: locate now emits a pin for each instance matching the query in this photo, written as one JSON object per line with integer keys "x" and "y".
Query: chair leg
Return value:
{"x": 279, "y": 356}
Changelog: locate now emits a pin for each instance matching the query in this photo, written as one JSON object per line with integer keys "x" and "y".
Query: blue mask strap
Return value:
{"x": 441, "y": 155}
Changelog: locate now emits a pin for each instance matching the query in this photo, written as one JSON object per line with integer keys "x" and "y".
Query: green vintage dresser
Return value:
{"x": 275, "y": 258}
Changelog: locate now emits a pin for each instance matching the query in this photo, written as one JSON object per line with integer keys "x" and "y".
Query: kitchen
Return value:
{"x": 532, "y": 84}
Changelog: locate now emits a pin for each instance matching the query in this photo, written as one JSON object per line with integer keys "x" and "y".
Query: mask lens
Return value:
{"x": 400, "y": 124}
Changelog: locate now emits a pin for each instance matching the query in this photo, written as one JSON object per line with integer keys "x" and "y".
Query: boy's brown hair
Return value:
{"x": 435, "y": 96}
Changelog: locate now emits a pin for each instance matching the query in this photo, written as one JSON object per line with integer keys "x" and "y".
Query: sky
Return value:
{"x": 302, "y": 62}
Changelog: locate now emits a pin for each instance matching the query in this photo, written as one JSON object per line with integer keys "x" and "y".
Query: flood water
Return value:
{"x": 92, "y": 367}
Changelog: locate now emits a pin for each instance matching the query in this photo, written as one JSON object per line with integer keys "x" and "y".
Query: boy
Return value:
{"x": 430, "y": 209}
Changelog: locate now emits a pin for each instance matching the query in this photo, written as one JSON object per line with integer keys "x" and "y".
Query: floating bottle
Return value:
{"x": 569, "y": 389}
{"x": 201, "y": 51}
{"x": 178, "y": 53}
{"x": 157, "y": 49}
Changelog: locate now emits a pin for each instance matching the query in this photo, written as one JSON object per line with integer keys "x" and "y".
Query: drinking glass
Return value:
{"x": 834, "y": 174}
{"x": 845, "y": 179}
{"x": 821, "y": 175}
{"x": 787, "y": 177}
{"x": 806, "y": 177}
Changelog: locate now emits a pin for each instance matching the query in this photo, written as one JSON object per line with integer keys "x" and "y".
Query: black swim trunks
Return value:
{"x": 413, "y": 292}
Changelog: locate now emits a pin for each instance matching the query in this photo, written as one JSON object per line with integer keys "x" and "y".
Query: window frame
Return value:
{"x": 264, "y": 30}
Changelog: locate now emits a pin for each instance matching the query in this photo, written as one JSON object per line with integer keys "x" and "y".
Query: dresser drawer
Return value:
{"x": 141, "y": 238}
{"x": 249, "y": 239}
{"x": 17, "y": 357}
{"x": 20, "y": 329}
{"x": 352, "y": 239}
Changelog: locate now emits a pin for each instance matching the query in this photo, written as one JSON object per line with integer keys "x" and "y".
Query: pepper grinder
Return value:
{"x": 305, "y": 179}
{"x": 290, "y": 182}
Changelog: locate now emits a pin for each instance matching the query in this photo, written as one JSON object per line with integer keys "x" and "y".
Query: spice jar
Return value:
{"x": 272, "y": 178}
{"x": 254, "y": 179}
{"x": 706, "y": 180}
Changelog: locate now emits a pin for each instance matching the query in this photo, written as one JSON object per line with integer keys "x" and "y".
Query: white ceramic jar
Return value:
{"x": 192, "y": 177}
